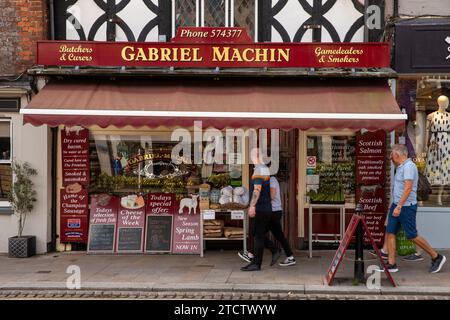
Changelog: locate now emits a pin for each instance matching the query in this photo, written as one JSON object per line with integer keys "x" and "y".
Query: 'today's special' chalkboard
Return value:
{"x": 159, "y": 233}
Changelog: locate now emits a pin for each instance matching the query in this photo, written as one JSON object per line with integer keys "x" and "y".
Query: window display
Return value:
{"x": 428, "y": 135}
{"x": 330, "y": 169}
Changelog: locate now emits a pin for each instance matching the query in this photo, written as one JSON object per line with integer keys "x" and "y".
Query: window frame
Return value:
{"x": 5, "y": 203}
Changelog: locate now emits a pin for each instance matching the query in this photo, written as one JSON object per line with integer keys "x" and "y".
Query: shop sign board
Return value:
{"x": 103, "y": 223}
{"x": 158, "y": 237}
{"x": 75, "y": 156}
{"x": 186, "y": 234}
{"x": 423, "y": 48}
{"x": 375, "y": 224}
{"x": 371, "y": 158}
{"x": 210, "y": 48}
{"x": 372, "y": 198}
{"x": 74, "y": 215}
{"x": 74, "y": 203}
{"x": 74, "y": 229}
{"x": 160, "y": 203}
{"x": 131, "y": 224}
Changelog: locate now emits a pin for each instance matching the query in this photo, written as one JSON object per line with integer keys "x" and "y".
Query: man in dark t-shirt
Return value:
{"x": 260, "y": 208}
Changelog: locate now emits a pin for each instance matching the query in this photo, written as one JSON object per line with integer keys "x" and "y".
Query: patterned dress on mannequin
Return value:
{"x": 438, "y": 158}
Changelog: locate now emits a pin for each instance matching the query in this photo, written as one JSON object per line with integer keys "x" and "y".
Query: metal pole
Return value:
{"x": 359, "y": 253}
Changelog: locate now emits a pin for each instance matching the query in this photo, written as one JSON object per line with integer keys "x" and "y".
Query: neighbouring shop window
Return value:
{"x": 5, "y": 159}
{"x": 425, "y": 99}
{"x": 330, "y": 169}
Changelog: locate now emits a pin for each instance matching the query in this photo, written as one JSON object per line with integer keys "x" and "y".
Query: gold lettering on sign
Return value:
{"x": 338, "y": 55}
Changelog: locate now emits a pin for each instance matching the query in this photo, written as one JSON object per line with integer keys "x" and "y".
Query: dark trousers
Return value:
{"x": 264, "y": 222}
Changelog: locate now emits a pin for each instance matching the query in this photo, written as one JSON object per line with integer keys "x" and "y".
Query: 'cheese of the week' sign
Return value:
{"x": 210, "y": 55}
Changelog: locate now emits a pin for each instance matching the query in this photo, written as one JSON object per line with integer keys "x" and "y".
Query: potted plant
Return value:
{"x": 22, "y": 198}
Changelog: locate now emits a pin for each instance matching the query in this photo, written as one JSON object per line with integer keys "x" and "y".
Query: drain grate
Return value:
{"x": 44, "y": 271}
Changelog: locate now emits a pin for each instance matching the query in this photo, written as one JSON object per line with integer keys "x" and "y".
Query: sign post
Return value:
{"x": 359, "y": 253}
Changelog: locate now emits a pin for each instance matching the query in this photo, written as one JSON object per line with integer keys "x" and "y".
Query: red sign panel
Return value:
{"x": 74, "y": 229}
{"x": 371, "y": 144}
{"x": 75, "y": 156}
{"x": 74, "y": 203}
{"x": 186, "y": 234}
{"x": 370, "y": 170}
{"x": 131, "y": 212}
{"x": 104, "y": 209}
{"x": 372, "y": 198}
{"x": 211, "y": 55}
{"x": 160, "y": 203}
{"x": 375, "y": 224}
{"x": 74, "y": 214}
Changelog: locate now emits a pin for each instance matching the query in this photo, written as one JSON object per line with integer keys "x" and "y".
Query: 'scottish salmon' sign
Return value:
{"x": 213, "y": 47}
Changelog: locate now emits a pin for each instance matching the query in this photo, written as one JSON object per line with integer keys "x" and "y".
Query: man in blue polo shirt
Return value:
{"x": 403, "y": 210}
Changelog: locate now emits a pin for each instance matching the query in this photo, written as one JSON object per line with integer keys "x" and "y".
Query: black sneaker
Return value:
{"x": 244, "y": 256}
{"x": 392, "y": 268}
{"x": 436, "y": 264}
{"x": 251, "y": 267}
{"x": 288, "y": 262}
{"x": 383, "y": 254}
{"x": 275, "y": 256}
{"x": 413, "y": 257}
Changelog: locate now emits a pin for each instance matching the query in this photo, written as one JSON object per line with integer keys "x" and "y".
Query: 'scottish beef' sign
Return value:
{"x": 372, "y": 198}
{"x": 213, "y": 47}
{"x": 186, "y": 234}
{"x": 375, "y": 224}
{"x": 160, "y": 203}
{"x": 75, "y": 156}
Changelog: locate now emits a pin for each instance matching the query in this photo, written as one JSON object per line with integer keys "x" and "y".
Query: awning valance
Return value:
{"x": 234, "y": 103}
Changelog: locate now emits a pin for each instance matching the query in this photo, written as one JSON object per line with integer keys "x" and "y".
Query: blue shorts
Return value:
{"x": 407, "y": 219}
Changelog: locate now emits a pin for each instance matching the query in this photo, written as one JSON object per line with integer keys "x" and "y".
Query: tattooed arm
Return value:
{"x": 254, "y": 200}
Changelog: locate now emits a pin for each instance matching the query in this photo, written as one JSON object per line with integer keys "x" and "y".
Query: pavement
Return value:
{"x": 215, "y": 275}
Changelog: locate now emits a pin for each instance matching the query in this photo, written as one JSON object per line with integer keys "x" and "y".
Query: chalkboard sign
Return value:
{"x": 101, "y": 238}
{"x": 130, "y": 240}
{"x": 103, "y": 223}
{"x": 159, "y": 233}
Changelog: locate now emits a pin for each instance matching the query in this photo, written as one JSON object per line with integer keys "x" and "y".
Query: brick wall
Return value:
{"x": 22, "y": 23}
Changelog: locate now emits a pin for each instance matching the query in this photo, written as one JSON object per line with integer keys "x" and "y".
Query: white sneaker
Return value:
{"x": 288, "y": 262}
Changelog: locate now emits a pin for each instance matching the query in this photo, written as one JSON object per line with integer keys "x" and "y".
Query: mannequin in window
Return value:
{"x": 438, "y": 142}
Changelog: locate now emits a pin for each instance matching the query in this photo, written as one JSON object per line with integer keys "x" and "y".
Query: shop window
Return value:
{"x": 216, "y": 13}
{"x": 123, "y": 164}
{"x": 5, "y": 160}
{"x": 428, "y": 135}
{"x": 330, "y": 169}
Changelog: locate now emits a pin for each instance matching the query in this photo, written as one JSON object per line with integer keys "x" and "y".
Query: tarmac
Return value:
{"x": 216, "y": 272}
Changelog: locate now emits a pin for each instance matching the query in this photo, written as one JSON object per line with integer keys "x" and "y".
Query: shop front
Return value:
{"x": 423, "y": 88}
{"x": 160, "y": 163}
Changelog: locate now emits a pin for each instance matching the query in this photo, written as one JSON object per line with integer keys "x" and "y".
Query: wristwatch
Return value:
{"x": 399, "y": 207}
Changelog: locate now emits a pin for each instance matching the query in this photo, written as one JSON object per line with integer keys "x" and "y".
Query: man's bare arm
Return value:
{"x": 406, "y": 192}
{"x": 255, "y": 195}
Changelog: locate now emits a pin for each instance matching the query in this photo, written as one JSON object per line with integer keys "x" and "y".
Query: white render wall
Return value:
{"x": 31, "y": 144}
{"x": 420, "y": 7}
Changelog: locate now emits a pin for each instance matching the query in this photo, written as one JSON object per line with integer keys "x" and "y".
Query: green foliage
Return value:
{"x": 22, "y": 195}
{"x": 219, "y": 180}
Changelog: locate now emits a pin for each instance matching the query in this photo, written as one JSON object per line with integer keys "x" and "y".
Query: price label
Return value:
{"x": 237, "y": 215}
{"x": 209, "y": 214}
